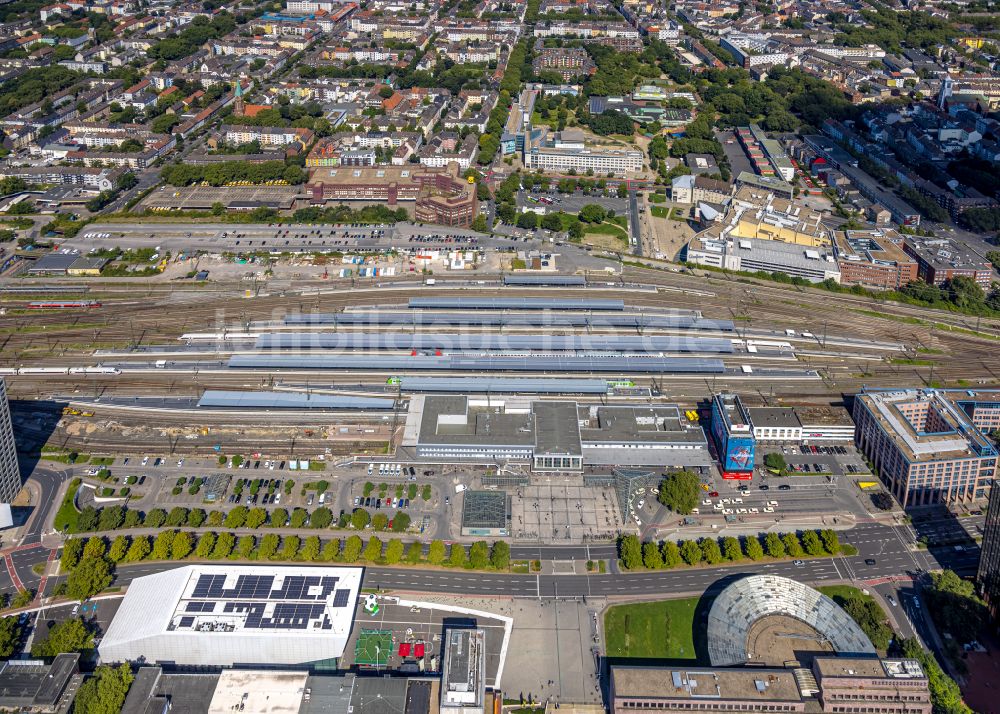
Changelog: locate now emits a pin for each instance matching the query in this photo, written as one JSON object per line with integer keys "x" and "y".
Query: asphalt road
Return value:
{"x": 886, "y": 545}
{"x": 557, "y": 586}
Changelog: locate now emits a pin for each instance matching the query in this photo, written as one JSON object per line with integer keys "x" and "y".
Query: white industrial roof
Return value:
{"x": 211, "y": 614}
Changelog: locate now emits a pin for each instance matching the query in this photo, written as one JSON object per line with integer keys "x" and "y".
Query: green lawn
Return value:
{"x": 662, "y": 630}
{"x": 657, "y": 198}
{"x": 605, "y": 229}
{"x": 842, "y": 592}
{"x": 659, "y": 211}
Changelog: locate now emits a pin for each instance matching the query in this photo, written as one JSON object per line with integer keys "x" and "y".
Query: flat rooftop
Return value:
{"x": 626, "y": 423}
{"x": 258, "y": 692}
{"x": 765, "y": 685}
{"x": 557, "y": 431}
{"x": 774, "y": 417}
{"x": 868, "y": 667}
{"x": 461, "y": 420}
{"x": 951, "y": 437}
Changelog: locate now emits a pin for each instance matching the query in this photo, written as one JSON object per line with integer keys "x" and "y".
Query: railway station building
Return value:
{"x": 553, "y": 436}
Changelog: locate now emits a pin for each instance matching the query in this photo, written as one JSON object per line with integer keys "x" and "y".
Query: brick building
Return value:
{"x": 432, "y": 195}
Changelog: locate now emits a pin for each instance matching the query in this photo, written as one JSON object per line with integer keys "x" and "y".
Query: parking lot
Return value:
{"x": 569, "y": 202}
{"x": 738, "y": 159}
{"x": 836, "y": 460}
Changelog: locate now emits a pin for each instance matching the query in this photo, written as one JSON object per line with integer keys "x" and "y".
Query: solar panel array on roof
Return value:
{"x": 226, "y": 399}
{"x": 686, "y": 320}
{"x": 555, "y": 280}
{"x": 523, "y": 303}
{"x": 547, "y": 363}
{"x": 479, "y": 341}
{"x": 299, "y": 600}
{"x": 467, "y": 385}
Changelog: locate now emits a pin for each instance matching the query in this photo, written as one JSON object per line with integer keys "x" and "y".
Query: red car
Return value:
{"x": 714, "y": 494}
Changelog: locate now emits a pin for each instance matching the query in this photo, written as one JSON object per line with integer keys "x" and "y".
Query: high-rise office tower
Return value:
{"x": 989, "y": 558}
{"x": 10, "y": 474}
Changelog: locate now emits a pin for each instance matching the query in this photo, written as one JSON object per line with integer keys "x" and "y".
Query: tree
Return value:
{"x": 812, "y": 544}
{"x": 870, "y": 618}
{"x": 831, "y": 543}
{"x": 224, "y": 544}
{"x": 118, "y": 549}
{"x": 155, "y": 518}
{"x": 66, "y": 636}
{"x": 299, "y": 517}
{"x": 10, "y": 636}
{"x": 679, "y": 492}
{"x": 237, "y": 517}
{"x": 690, "y": 552}
{"x": 352, "y": 549}
{"x": 71, "y": 553}
{"x": 331, "y": 550}
{"x": 436, "y": 552}
{"x": 414, "y": 553}
{"x": 177, "y": 517}
{"x": 955, "y": 607}
{"x": 671, "y": 554}
{"x": 289, "y": 548}
{"x": 104, "y": 691}
{"x": 256, "y": 517}
{"x": 95, "y": 548}
{"x": 753, "y": 548}
{"x": 162, "y": 544}
{"x": 294, "y": 175}
{"x": 400, "y": 522}
{"x": 279, "y": 518}
{"x": 182, "y": 545}
{"x": 245, "y": 546}
{"x": 552, "y": 222}
{"x": 775, "y": 462}
{"x": 479, "y": 555}
{"x": 360, "y": 519}
{"x": 373, "y": 551}
{"x": 630, "y": 551}
{"x": 527, "y": 220}
{"x": 89, "y": 577}
{"x": 731, "y": 550}
{"x": 268, "y": 546}
{"x": 139, "y": 550}
{"x": 322, "y": 517}
{"x": 946, "y": 697}
{"x": 196, "y": 517}
{"x": 500, "y": 555}
{"x": 88, "y": 518}
{"x": 792, "y": 545}
{"x": 206, "y": 543}
{"x": 380, "y": 522}
{"x": 652, "y": 558}
{"x": 774, "y": 546}
{"x": 111, "y": 518}
{"x": 456, "y": 558}
{"x": 480, "y": 224}
{"x": 710, "y": 551}
{"x": 393, "y": 551}
{"x": 592, "y": 213}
